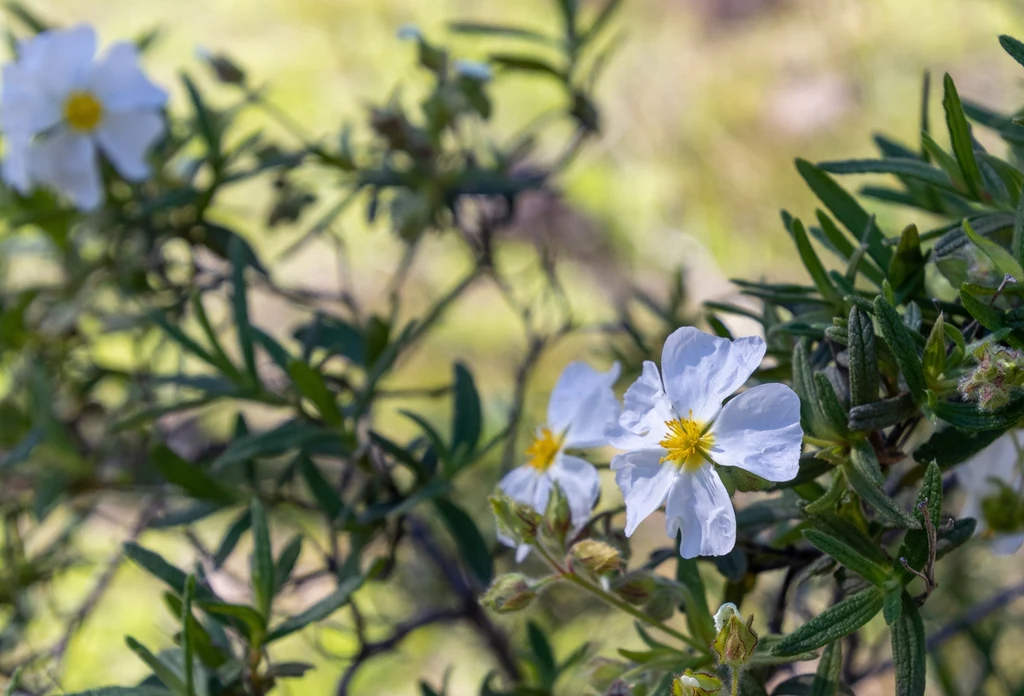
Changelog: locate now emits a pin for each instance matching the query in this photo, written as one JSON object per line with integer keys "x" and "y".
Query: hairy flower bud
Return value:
{"x": 636, "y": 587}
{"x": 663, "y": 602}
{"x": 516, "y": 521}
{"x": 998, "y": 377}
{"x": 596, "y": 556}
{"x": 736, "y": 640}
{"x": 508, "y": 593}
{"x": 557, "y": 518}
{"x": 691, "y": 683}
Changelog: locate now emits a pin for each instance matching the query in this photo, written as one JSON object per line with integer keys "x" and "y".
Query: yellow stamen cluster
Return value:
{"x": 687, "y": 443}
{"x": 542, "y": 451}
{"x": 83, "y": 111}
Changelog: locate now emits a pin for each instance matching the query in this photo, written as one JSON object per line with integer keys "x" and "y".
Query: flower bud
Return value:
{"x": 508, "y": 593}
{"x": 225, "y": 69}
{"x": 997, "y": 378}
{"x": 516, "y": 521}
{"x": 736, "y": 640}
{"x": 596, "y": 556}
{"x": 663, "y": 602}
{"x": 636, "y": 587}
{"x": 691, "y": 683}
{"x": 557, "y": 517}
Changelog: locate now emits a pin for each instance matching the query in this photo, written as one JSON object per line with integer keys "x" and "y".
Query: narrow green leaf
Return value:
{"x": 832, "y": 624}
{"x": 543, "y": 655}
{"x": 313, "y": 387}
{"x": 163, "y": 671}
{"x": 206, "y": 123}
{"x": 286, "y": 562}
{"x": 470, "y": 542}
{"x": 225, "y": 365}
{"x": 950, "y": 446}
{"x": 318, "y": 611}
{"x": 698, "y": 616}
{"x": 960, "y": 137}
{"x": 1013, "y": 47}
{"x": 946, "y": 161}
{"x": 863, "y": 358}
{"x": 848, "y": 556}
{"x": 911, "y": 168}
{"x": 897, "y": 336}
{"x": 834, "y": 412}
{"x": 866, "y": 486}
{"x": 966, "y": 416}
{"x": 191, "y": 478}
{"x": 1003, "y": 260}
{"x": 915, "y": 544}
{"x": 991, "y": 318}
{"x": 828, "y": 676}
{"x": 240, "y": 307}
{"x": 155, "y": 565}
{"x": 834, "y": 493}
{"x": 262, "y": 566}
{"x": 934, "y": 361}
{"x": 231, "y": 538}
{"x": 467, "y": 421}
{"x": 1017, "y": 243}
{"x": 327, "y": 498}
{"x": 908, "y": 650}
{"x": 811, "y": 261}
{"x": 906, "y": 270}
{"x": 479, "y": 29}
{"x": 186, "y": 634}
{"x": 249, "y": 617}
{"x": 806, "y": 387}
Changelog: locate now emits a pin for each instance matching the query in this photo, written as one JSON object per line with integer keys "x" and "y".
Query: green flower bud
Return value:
{"x": 636, "y": 587}
{"x": 516, "y": 521}
{"x": 998, "y": 377}
{"x": 508, "y": 593}
{"x": 557, "y": 518}
{"x": 736, "y": 640}
{"x": 596, "y": 556}
{"x": 662, "y": 604}
{"x": 1003, "y": 511}
{"x": 691, "y": 683}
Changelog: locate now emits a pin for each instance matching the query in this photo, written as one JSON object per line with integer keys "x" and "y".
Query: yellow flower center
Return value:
{"x": 686, "y": 443}
{"x": 542, "y": 451}
{"x": 82, "y": 111}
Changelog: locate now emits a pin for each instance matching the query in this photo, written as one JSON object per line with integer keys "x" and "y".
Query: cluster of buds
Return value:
{"x": 998, "y": 377}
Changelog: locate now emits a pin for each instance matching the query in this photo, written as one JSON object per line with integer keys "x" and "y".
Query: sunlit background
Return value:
{"x": 705, "y": 103}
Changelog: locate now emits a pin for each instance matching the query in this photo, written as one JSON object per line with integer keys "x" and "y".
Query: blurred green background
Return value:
{"x": 705, "y": 105}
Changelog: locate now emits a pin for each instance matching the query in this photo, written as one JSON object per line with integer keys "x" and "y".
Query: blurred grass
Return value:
{"x": 703, "y": 115}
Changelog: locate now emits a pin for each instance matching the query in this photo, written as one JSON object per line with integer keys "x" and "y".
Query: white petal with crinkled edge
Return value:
{"x": 700, "y": 370}
{"x": 700, "y": 508}
{"x": 645, "y": 410}
{"x": 121, "y": 85}
{"x": 581, "y": 484}
{"x": 126, "y": 136}
{"x": 644, "y": 481}
{"x": 66, "y": 162}
{"x": 582, "y": 403}
{"x": 760, "y": 431}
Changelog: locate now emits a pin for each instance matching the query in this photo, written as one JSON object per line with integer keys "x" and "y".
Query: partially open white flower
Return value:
{"x": 676, "y": 427}
{"x": 581, "y": 406}
{"x": 59, "y": 106}
{"x": 1002, "y": 462}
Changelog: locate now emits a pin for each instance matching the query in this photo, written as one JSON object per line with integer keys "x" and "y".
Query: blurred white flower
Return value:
{"x": 675, "y": 429}
{"x": 59, "y": 106}
{"x": 481, "y": 72}
{"x": 1002, "y": 462}
{"x": 581, "y": 406}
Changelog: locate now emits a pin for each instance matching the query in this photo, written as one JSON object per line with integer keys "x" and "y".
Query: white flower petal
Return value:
{"x": 66, "y": 162}
{"x": 700, "y": 370}
{"x": 581, "y": 484}
{"x": 1006, "y": 544}
{"x": 582, "y": 404}
{"x": 699, "y": 507}
{"x": 522, "y": 551}
{"x": 760, "y": 431}
{"x": 126, "y": 136}
{"x": 644, "y": 481}
{"x": 16, "y": 162}
{"x": 520, "y": 484}
{"x": 645, "y": 410}
{"x": 120, "y": 83}
{"x": 25, "y": 108}
{"x": 63, "y": 58}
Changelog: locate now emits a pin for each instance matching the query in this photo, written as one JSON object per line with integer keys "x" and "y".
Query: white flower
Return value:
{"x": 581, "y": 406}
{"x": 980, "y": 476}
{"x": 59, "y": 106}
{"x": 724, "y": 613}
{"x": 676, "y": 427}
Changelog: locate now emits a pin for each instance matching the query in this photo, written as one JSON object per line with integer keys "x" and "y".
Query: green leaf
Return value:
{"x": 832, "y": 624}
{"x": 543, "y": 655}
{"x": 902, "y": 166}
{"x": 223, "y": 361}
{"x": 155, "y": 565}
{"x": 231, "y": 538}
{"x": 163, "y": 671}
{"x": 966, "y": 416}
{"x": 327, "y": 498}
{"x": 467, "y": 421}
{"x": 123, "y": 691}
{"x": 186, "y": 634}
{"x": 1017, "y": 242}
{"x": 811, "y": 261}
{"x": 828, "y": 676}
{"x": 262, "y": 566}
{"x": 956, "y": 536}
{"x": 290, "y": 435}
{"x": 480, "y": 29}
{"x": 991, "y": 318}
{"x": 253, "y": 621}
{"x": 906, "y": 270}
{"x": 828, "y": 500}
{"x": 698, "y": 616}
{"x": 847, "y": 210}
{"x": 960, "y": 137}
{"x": 806, "y": 387}
{"x": 950, "y": 446}
{"x": 472, "y": 547}
{"x": 934, "y": 361}
{"x": 898, "y": 337}
{"x": 871, "y": 493}
{"x": 863, "y": 358}
{"x": 191, "y": 478}
{"x": 1012, "y": 46}
{"x": 908, "y": 650}
{"x": 240, "y": 307}
{"x": 206, "y": 123}
{"x": 834, "y": 412}
{"x": 1003, "y": 260}
{"x": 286, "y": 562}
{"x": 318, "y": 611}
{"x": 892, "y": 606}
{"x": 525, "y": 63}
{"x": 312, "y": 386}
{"x": 867, "y": 566}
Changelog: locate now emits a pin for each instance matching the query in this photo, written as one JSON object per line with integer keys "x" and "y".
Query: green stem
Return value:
{"x": 735, "y": 685}
{"x": 615, "y": 601}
